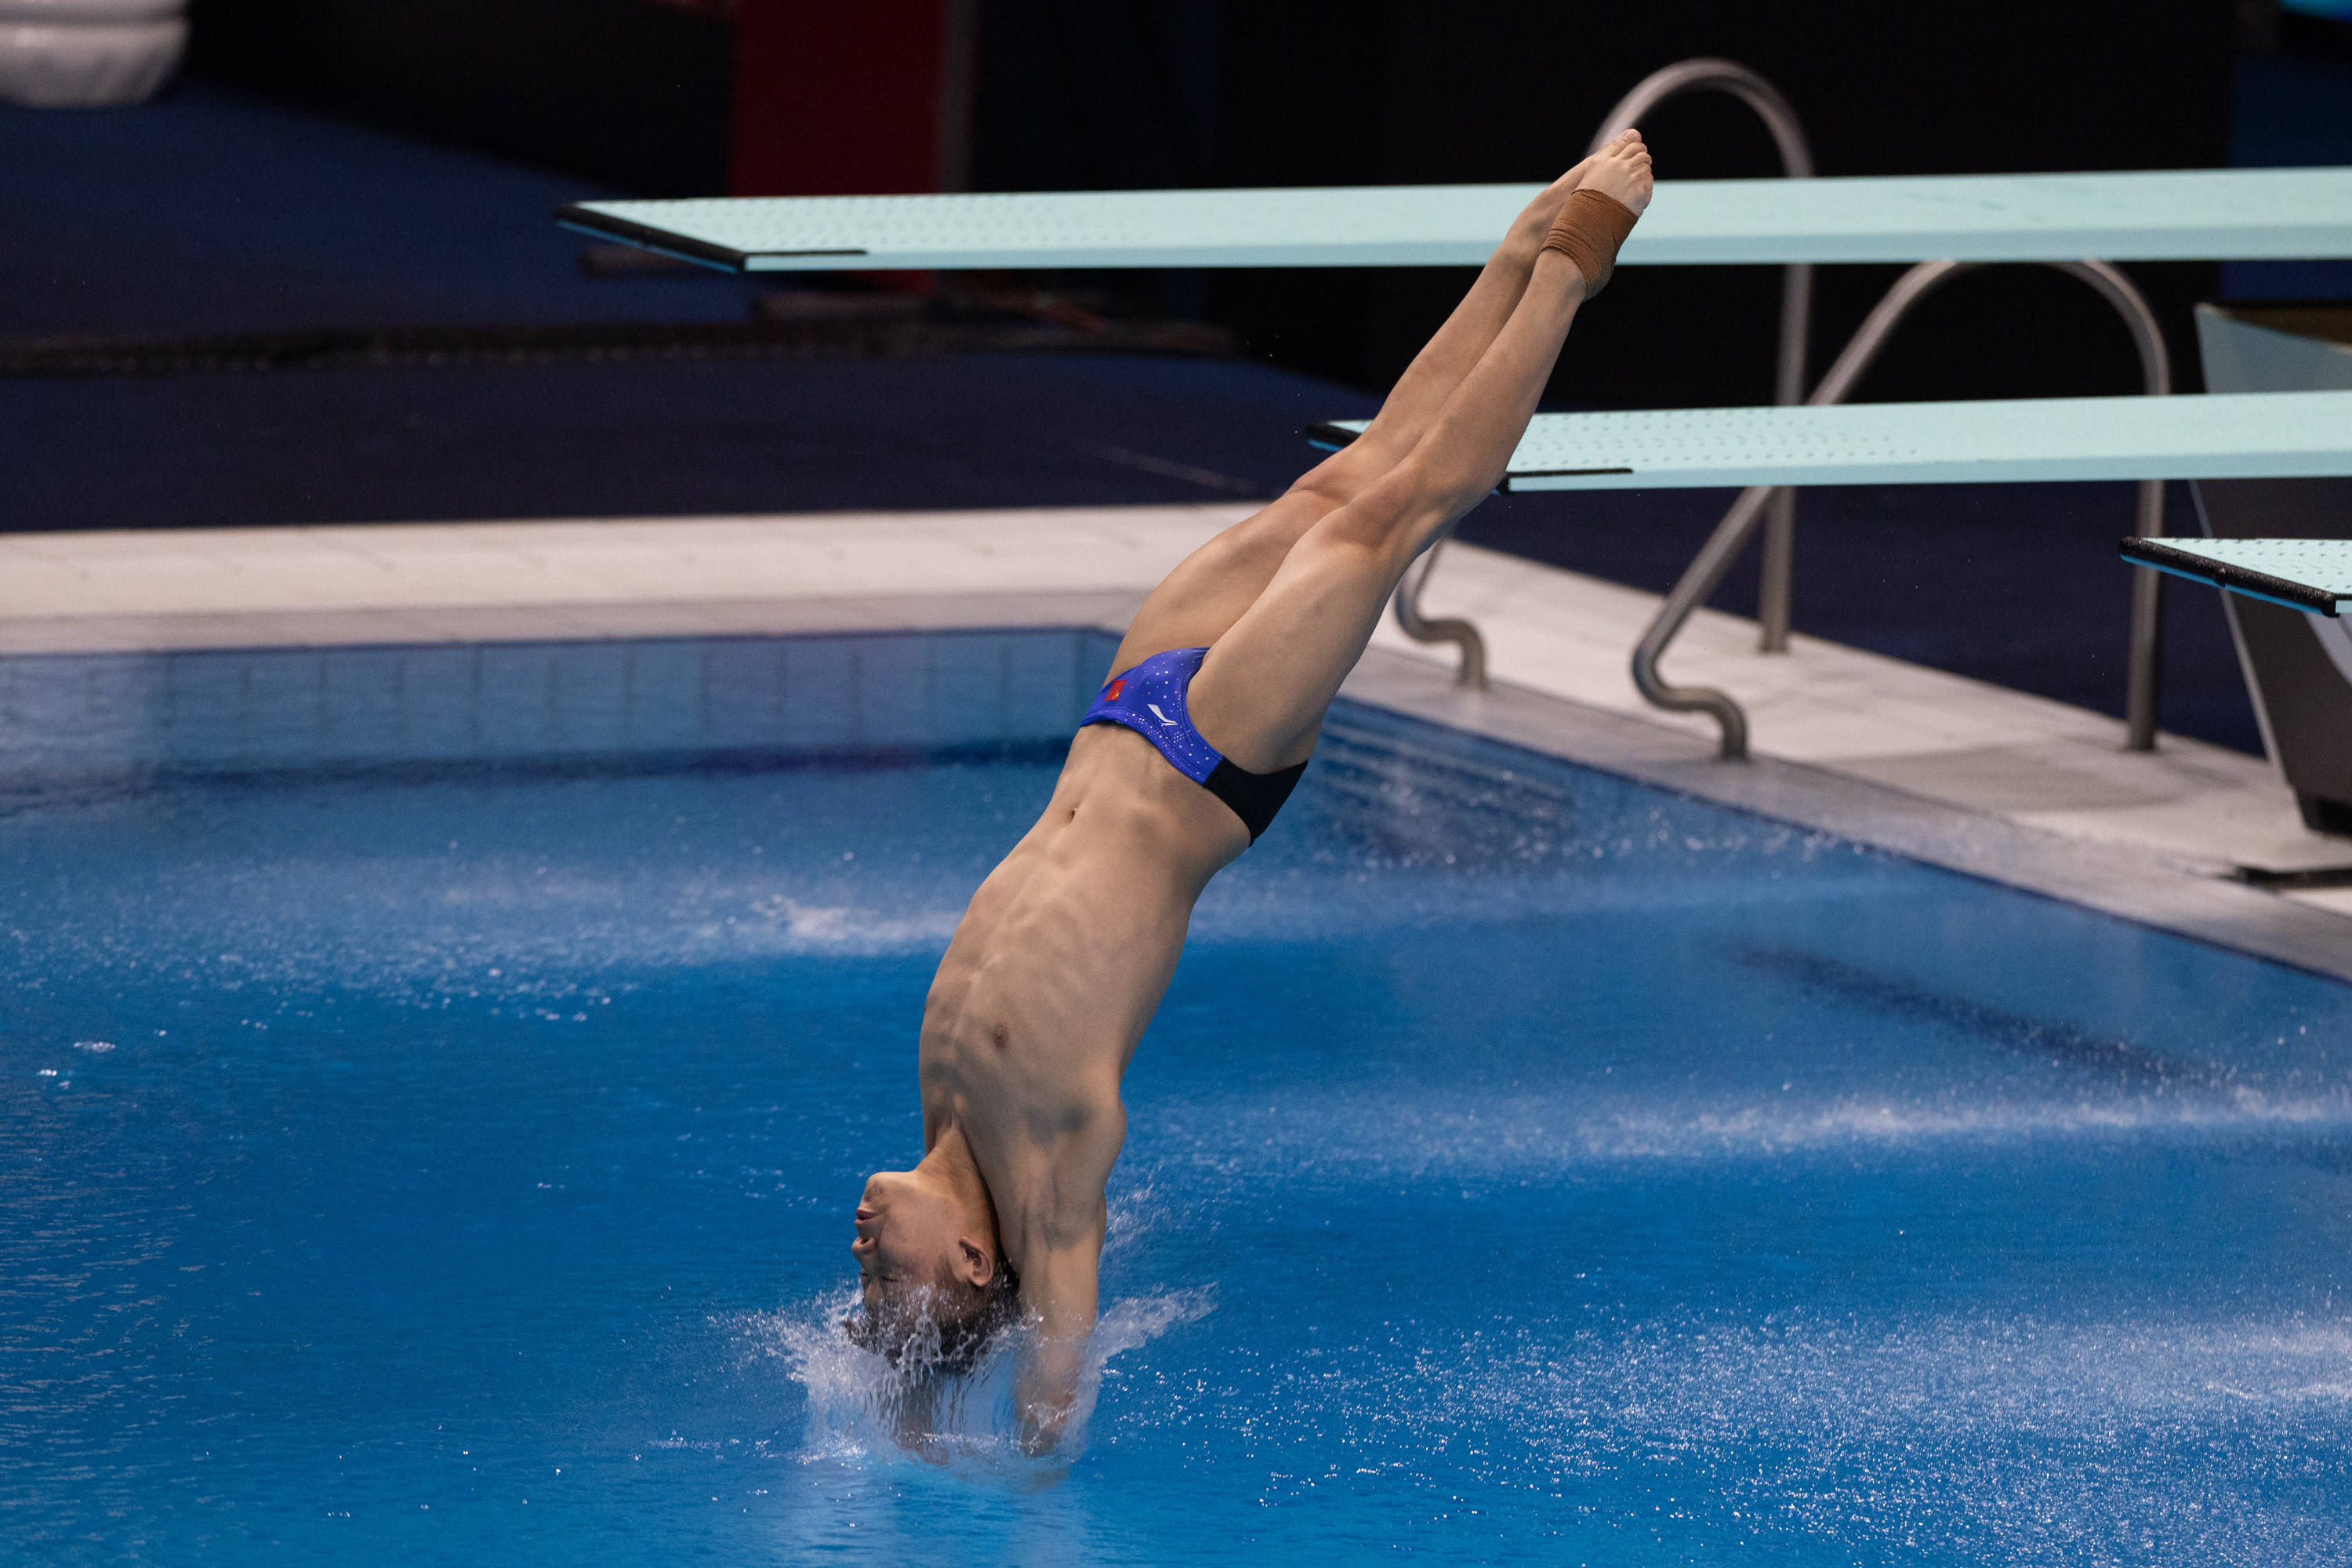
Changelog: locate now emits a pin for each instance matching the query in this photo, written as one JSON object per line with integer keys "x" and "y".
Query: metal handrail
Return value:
{"x": 1738, "y": 525}
{"x": 1788, "y": 381}
{"x": 1472, "y": 669}
{"x": 1796, "y": 161}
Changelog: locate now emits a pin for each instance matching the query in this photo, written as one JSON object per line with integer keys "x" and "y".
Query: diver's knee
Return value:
{"x": 1400, "y": 514}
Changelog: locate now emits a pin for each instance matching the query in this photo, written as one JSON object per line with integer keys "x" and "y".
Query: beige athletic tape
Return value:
{"x": 1589, "y": 228}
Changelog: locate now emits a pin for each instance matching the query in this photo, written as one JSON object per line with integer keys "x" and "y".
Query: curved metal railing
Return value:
{"x": 1471, "y": 670}
{"x": 1738, "y": 525}
{"x": 1788, "y": 381}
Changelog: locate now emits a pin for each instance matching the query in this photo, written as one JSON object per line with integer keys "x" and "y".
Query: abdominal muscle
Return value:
{"x": 1057, "y": 966}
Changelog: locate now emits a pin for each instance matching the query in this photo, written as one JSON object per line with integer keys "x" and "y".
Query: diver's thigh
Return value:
{"x": 1212, "y": 588}
{"x": 1260, "y": 695}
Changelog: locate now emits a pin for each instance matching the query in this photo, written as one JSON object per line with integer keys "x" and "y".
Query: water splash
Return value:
{"x": 1359, "y": 1130}
{"x": 862, "y": 1410}
{"x": 792, "y": 926}
{"x": 1989, "y": 1438}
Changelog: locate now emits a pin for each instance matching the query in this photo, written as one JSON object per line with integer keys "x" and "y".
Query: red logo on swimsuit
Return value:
{"x": 1110, "y": 693}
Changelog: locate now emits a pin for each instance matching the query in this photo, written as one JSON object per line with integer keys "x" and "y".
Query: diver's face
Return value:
{"x": 905, "y": 1246}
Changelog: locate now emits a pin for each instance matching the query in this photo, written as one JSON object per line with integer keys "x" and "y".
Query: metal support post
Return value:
{"x": 1740, "y": 524}
{"x": 1796, "y": 294}
{"x": 1789, "y": 378}
{"x": 1472, "y": 669}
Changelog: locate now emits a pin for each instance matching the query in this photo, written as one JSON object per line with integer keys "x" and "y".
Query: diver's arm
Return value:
{"x": 1052, "y": 1217}
{"x": 1059, "y": 1258}
{"x": 1060, "y": 1288}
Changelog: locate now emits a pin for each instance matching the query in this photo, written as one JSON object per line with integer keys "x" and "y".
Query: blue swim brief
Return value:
{"x": 1149, "y": 700}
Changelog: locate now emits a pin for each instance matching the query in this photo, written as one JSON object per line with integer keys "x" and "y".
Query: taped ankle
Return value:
{"x": 1589, "y": 228}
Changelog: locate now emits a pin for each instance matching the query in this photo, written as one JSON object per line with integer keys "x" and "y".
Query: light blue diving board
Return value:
{"x": 2301, "y": 574}
{"x": 2234, "y": 435}
{"x": 2169, "y": 216}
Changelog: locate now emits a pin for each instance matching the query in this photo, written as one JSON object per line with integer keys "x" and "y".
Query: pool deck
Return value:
{"x": 2014, "y": 787}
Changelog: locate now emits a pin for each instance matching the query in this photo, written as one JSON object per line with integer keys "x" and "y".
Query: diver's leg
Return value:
{"x": 1420, "y": 394}
{"x": 1198, "y": 602}
{"x": 1260, "y": 695}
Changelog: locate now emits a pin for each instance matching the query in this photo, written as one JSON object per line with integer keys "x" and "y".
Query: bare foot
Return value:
{"x": 1536, "y": 220}
{"x": 1621, "y": 171}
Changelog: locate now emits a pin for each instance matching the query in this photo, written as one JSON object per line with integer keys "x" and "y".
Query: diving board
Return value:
{"x": 2205, "y": 214}
{"x": 2301, "y": 574}
{"x": 2233, "y": 435}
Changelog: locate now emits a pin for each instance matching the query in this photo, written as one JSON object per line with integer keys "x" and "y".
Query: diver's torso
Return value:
{"x": 1061, "y": 960}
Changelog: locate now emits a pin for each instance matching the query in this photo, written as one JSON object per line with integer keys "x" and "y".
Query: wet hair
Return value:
{"x": 921, "y": 1342}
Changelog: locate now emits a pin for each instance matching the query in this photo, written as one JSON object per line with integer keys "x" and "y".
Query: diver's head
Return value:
{"x": 931, "y": 1271}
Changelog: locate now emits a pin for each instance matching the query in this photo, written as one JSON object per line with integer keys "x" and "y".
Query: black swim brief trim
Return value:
{"x": 1254, "y": 797}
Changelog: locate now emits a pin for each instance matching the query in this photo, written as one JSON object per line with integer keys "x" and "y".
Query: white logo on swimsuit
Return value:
{"x": 1159, "y": 715}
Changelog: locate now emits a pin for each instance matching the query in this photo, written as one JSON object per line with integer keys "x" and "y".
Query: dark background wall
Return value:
{"x": 629, "y": 91}
{"x": 1144, "y": 93}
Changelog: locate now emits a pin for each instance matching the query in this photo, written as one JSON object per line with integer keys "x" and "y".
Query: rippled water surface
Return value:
{"x": 1524, "y": 1166}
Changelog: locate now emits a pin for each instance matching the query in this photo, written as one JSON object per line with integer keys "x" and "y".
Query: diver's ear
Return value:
{"x": 974, "y": 1263}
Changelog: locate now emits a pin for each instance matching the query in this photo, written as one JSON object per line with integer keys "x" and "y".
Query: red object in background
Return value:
{"x": 851, "y": 96}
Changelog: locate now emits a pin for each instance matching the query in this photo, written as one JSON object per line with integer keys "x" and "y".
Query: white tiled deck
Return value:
{"x": 1984, "y": 748}
{"x": 2190, "y": 810}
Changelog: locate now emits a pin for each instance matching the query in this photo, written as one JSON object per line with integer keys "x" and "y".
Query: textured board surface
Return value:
{"x": 2252, "y": 435}
{"x": 2183, "y": 215}
{"x": 2305, "y": 574}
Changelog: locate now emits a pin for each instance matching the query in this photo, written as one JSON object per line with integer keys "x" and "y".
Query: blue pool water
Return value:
{"x": 436, "y": 1083}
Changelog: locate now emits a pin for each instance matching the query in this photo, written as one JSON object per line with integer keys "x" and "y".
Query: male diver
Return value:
{"x": 1217, "y": 695}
